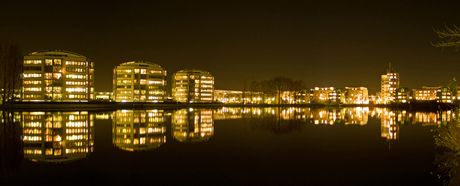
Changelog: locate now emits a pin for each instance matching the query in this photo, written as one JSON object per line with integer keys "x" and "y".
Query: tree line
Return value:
{"x": 11, "y": 68}
{"x": 278, "y": 85}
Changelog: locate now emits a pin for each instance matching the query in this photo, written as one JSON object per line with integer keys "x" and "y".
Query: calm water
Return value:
{"x": 233, "y": 146}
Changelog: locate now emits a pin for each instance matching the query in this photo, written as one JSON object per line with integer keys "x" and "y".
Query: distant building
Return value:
{"x": 356, "y": 95}
{"x": 139, "y": 81}
{"x": 321, "y": 94}
{"x": 389, "y": 83}
{"x": 192, "y": 85}
{"x": 57, "y": 75}
{"x": 402, "y": 95}
{"x": 444, "y": 95}
{"x": 235, "y": 96}
{"x": 425, "y": 93}
{"x": 103, "y": 96}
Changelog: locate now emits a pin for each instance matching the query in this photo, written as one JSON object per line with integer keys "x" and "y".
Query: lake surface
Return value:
{"x": 228, "y": 146}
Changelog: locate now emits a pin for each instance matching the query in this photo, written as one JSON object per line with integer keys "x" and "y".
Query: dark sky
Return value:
{"x": 324, "y": 43}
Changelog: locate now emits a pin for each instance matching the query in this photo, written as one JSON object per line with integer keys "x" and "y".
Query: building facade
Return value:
{"x": 356, "y": 95}
{"x": 402, "y": 95}
{"x": 193, "y": 86}
{"x": 57, "y": 75}
{"x": 322, "y": 94}
{"x": 389, "y": 83}
{"x": 139, "y": 81}
{"x": 425, "y": 93}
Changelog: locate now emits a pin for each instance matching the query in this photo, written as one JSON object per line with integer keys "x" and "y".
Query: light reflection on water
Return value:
{"x": 61, "y": 137}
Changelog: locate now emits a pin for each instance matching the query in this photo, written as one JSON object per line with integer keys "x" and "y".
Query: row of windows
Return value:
{"x": 75, "y": 76}
{"x": 32, "y": 82}
{"x": 33, "y": 89}
{"x": 72, "y": 69}
{"x": 141, "y": 71}
{"x": 75, "y": 82}
{"x": 32, "y": 62}
{"x": 76, "y": 90}
{"x": 77, "y": 63}
{"x": 76, "y": 96}
{"x": 29, "y": 96}
{"x": 32, "y": 75}
{"x": 52, "y": 61}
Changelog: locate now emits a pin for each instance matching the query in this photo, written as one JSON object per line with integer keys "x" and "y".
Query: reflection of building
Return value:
{"x": 57, "y": 76}
{"x": 57, "y": 137}
{"x": 389, "y": 127}
{"x": 389, "y": 83}
{"x": 355, "y": 115}
{"x": 193, "y": 125}
{"x": 135, "y": 130}
{"x": 192, "y": 85}
{"x": 139, "y": 81}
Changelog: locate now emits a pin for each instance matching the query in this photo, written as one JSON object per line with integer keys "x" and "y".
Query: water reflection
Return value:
{"x": 11, "y": 145}
{"x": 137, "y": 130}
{"x": 192, "y": 125}
{"x": 448, "y": 161}
{"x": 57, "y": 137}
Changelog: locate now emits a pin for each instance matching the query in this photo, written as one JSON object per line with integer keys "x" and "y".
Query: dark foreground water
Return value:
{"x": 229, "y": 146}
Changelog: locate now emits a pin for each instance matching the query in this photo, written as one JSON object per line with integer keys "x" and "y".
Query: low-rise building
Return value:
{"x": 425, "y": 93}
{"x": 402, "y": 95}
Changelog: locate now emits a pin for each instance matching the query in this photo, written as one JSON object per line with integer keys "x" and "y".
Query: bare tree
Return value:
{"x": 450, "y": 37}
{"x": 11, "y": 68}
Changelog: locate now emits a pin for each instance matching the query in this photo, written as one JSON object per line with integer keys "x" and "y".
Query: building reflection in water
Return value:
{"x": 57, "y": 137}
{"x": 192, "y": 125}
{"x": 137, "y": 130}
{"x": 351, "y": 115}
{"x": 11, "y": 144}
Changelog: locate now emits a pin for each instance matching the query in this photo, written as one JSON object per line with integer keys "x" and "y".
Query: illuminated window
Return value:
{"x": 32, "y": 62}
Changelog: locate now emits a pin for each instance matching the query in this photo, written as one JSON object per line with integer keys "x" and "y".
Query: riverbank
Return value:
{"x": 173, "y": 105}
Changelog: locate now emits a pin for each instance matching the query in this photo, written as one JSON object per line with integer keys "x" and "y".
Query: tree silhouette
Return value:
{"x": 450, "y": 37}
{"x": 11, "y": 68}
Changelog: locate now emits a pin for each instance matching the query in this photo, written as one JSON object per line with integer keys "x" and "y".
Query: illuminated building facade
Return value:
{"x": 389, "y": 83}
{"x": 57, "y": 137}
{"x": 192, "y": 125}
{"x": 321, "y": 94}
{"x": 356, "y": 95}
{"x": 425, "y": 93}
{"x": 444, "y": 95}
{"x": 235, "y": 96}
{"x": 139, "y": 81}
{"x": 193, "y": 86}
{"x": 138, "y": 130}
{"x": 103, "y": 96}
{"x": 402, "y": 95}
{"x": 57, "y": 75}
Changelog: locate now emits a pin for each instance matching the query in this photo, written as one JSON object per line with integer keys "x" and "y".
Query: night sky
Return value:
{"x": 324, "y": 43}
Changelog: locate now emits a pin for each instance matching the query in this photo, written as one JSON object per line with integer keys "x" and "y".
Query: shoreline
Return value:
{"x": 146, "y": 105}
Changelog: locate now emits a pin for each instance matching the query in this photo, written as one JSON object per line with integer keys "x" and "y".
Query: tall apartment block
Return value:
{"x": 389, "y": 83}
{"x": 139, "y": 81}
{"x": 57, "y": 75}
{"x": 192, "y": 85}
